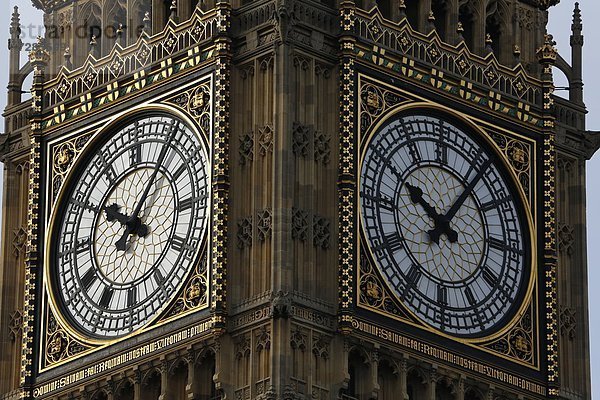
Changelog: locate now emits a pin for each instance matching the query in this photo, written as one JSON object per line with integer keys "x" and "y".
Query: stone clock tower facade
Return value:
{"x": 294, "y": 199}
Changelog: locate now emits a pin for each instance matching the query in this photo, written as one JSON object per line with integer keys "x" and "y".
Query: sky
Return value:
{"x": 559, "y": 26}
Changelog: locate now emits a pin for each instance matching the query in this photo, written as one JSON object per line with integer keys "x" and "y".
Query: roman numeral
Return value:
{"x": 394, "y": 242}
{"x": 490, "y": 277}
{"x": 414, "y": 275}
{"x": 182, "y": 168}
{"x": 89, "y": 278}
{"x": 158, "y": 277}
{"x": 135, "y": 155}
{"x": 107, "y": 295}
{"x": 177, "y": 243}
{"x": 470, "y": 297}
{"x": 496, "y": 243}
{"x": 413, "y": 150}
{"x": 186, "y": 204}
{"x": 442, "y": 295}
{"x": 131, "y": 297}
{"x": 109, "y": 171}
{"x": 441, "y": 152}
{"x": 493, "y": 204}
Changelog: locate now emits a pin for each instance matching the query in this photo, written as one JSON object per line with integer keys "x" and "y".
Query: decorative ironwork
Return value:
{"x": 519, "y": 342}
{"x": 63, "y": 158}
{"x": 195, "y": 292}
{"x": 59, "y": 344}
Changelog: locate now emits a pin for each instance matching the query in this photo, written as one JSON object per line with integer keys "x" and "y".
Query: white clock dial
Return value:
{"x": 443, "y": 224}
{"x": 130, "y": 225}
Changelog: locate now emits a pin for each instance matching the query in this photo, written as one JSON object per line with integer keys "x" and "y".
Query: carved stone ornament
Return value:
{"x": 263, "y": 339}
{"x": 568, "y": 322}
{"x": 321, "y": 232}
{"x": 566, "y": 239}
{"x": 300, "y": 224}
{"x": 298, "y": 340}
{"x": 320, "y": 347}
{"x": 301, "y": 138}
{"x": 244, "y": 234}
{"x": 322, "y": 147}
{"x": 264, "y": 224}
{"x": 242, "y": 347}
{"x": 15, "y": 324}
{"x": 246, "y": 149}
{"x": 281, "y": 304}
{"x": 265, "y": 140}
{"x": 19, "y": 241}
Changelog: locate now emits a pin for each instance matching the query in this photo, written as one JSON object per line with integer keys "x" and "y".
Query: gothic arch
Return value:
{"x": 90, "y": 14}
{"x": 497, "y": 25}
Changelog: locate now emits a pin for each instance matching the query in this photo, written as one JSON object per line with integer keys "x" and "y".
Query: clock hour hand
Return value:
{"x": 134, "y": 224}
{"x": 441, "y": 223}
{"x": 445, "y": 228}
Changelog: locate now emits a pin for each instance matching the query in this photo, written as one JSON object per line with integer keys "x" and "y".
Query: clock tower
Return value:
{"x": 295, "y": 199}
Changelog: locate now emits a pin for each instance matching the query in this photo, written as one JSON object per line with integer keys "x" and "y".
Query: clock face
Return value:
{"x": 130, "y": 226}
{"x": 443, "y": 224}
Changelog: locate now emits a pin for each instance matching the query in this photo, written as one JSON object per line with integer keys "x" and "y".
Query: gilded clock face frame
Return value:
{"x": 439, "y": 155}
{"x": 105, "y": 293}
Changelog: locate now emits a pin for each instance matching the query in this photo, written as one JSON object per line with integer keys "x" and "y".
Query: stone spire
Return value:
{"x": 15, "y": 46}
{"x": 576, "y": 84}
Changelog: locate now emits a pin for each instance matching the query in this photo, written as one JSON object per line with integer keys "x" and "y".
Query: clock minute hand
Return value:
{"x": 445, "y": 226}
{"x": 133, "y": 224}
{"x": 463, "y": 196}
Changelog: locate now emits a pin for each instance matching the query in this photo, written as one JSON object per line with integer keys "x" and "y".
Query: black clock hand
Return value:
{"x": 440, "y": 221}
{"x": 113, "y": 214}
{"x": 445, "y": 228}
{"x": 463, "y": 196}
{"x": 134, "y": 225}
